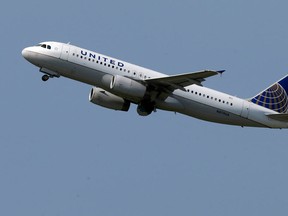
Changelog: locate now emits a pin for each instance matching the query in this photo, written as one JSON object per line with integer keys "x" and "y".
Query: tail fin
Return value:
{"x": 274, "y": 97}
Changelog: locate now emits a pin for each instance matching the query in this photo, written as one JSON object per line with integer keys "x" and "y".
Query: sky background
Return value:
{"x": 61, "y": 155}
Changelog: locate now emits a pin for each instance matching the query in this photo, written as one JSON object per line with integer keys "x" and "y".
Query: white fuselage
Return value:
{"x": 200, "y": 102}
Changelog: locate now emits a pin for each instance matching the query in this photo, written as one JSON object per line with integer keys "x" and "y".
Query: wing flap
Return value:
{"x": 182, "y": 80}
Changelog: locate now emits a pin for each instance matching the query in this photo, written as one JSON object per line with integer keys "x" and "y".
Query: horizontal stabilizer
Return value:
{"x": 279, "y": 117}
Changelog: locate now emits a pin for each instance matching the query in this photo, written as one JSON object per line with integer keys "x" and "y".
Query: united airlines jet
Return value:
{"x": 117, "y": 84}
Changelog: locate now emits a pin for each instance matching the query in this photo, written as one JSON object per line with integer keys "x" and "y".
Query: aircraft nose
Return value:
{"x": 25, "y": 53}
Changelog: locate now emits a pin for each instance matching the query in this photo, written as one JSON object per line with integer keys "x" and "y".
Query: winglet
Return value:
{"x": 221, "y": 72}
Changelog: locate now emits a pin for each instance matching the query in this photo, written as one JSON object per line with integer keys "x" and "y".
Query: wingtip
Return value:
{"x": 221, "y": 71}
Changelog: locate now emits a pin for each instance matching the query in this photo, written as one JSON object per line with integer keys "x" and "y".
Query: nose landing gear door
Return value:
{"x": 65, "y": 52}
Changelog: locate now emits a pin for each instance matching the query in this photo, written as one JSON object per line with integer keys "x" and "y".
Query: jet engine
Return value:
{"x": 127, "y": 87}
{"x": 108, "y": 100}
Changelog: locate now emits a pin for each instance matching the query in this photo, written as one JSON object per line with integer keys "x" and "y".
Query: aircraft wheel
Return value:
{"x": 45, "y": 77}
{"x": 145, "y": 109}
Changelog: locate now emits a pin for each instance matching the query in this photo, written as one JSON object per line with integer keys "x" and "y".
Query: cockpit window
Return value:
{"x": 45, "y": 46}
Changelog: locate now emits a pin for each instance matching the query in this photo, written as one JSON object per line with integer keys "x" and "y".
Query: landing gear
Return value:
{"x": 145, "y": 109}
{"x": 48, "y": 74}
{"x": 45, "y": 77}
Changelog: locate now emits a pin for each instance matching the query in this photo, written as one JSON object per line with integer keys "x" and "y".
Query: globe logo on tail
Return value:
{"x": 274, "y": 98}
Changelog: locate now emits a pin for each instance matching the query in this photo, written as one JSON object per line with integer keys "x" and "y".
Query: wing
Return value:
{"x": 180, "y": 81}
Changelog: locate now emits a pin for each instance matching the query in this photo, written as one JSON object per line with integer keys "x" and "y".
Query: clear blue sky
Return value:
{"x": 61, "y": 155}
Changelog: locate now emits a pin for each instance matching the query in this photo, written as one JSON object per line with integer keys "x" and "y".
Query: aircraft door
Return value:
{"x": 65, "y": 52}
{"x": 245, "y": 109}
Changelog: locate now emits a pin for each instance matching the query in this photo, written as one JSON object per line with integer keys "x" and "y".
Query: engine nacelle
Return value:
{"x": 108, "y": 100}
{"x": 128, "y": 87}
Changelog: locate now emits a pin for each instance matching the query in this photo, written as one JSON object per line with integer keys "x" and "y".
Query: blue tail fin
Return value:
{"x": 274, "y": 97}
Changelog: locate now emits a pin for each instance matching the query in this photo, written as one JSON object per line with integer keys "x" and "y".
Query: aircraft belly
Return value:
{"x": 77, "y": 72}
{"x": 85, "y": 75}
{"x": 257, "y": 113}
{"x": 209, "y": 113}
{"x": 170, "y": 104}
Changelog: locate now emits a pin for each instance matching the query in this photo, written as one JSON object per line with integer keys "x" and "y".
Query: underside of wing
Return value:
{"x": 181, "y": 81}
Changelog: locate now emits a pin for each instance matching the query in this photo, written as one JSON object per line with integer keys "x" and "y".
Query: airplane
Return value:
{"x": 117, "y": 84}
